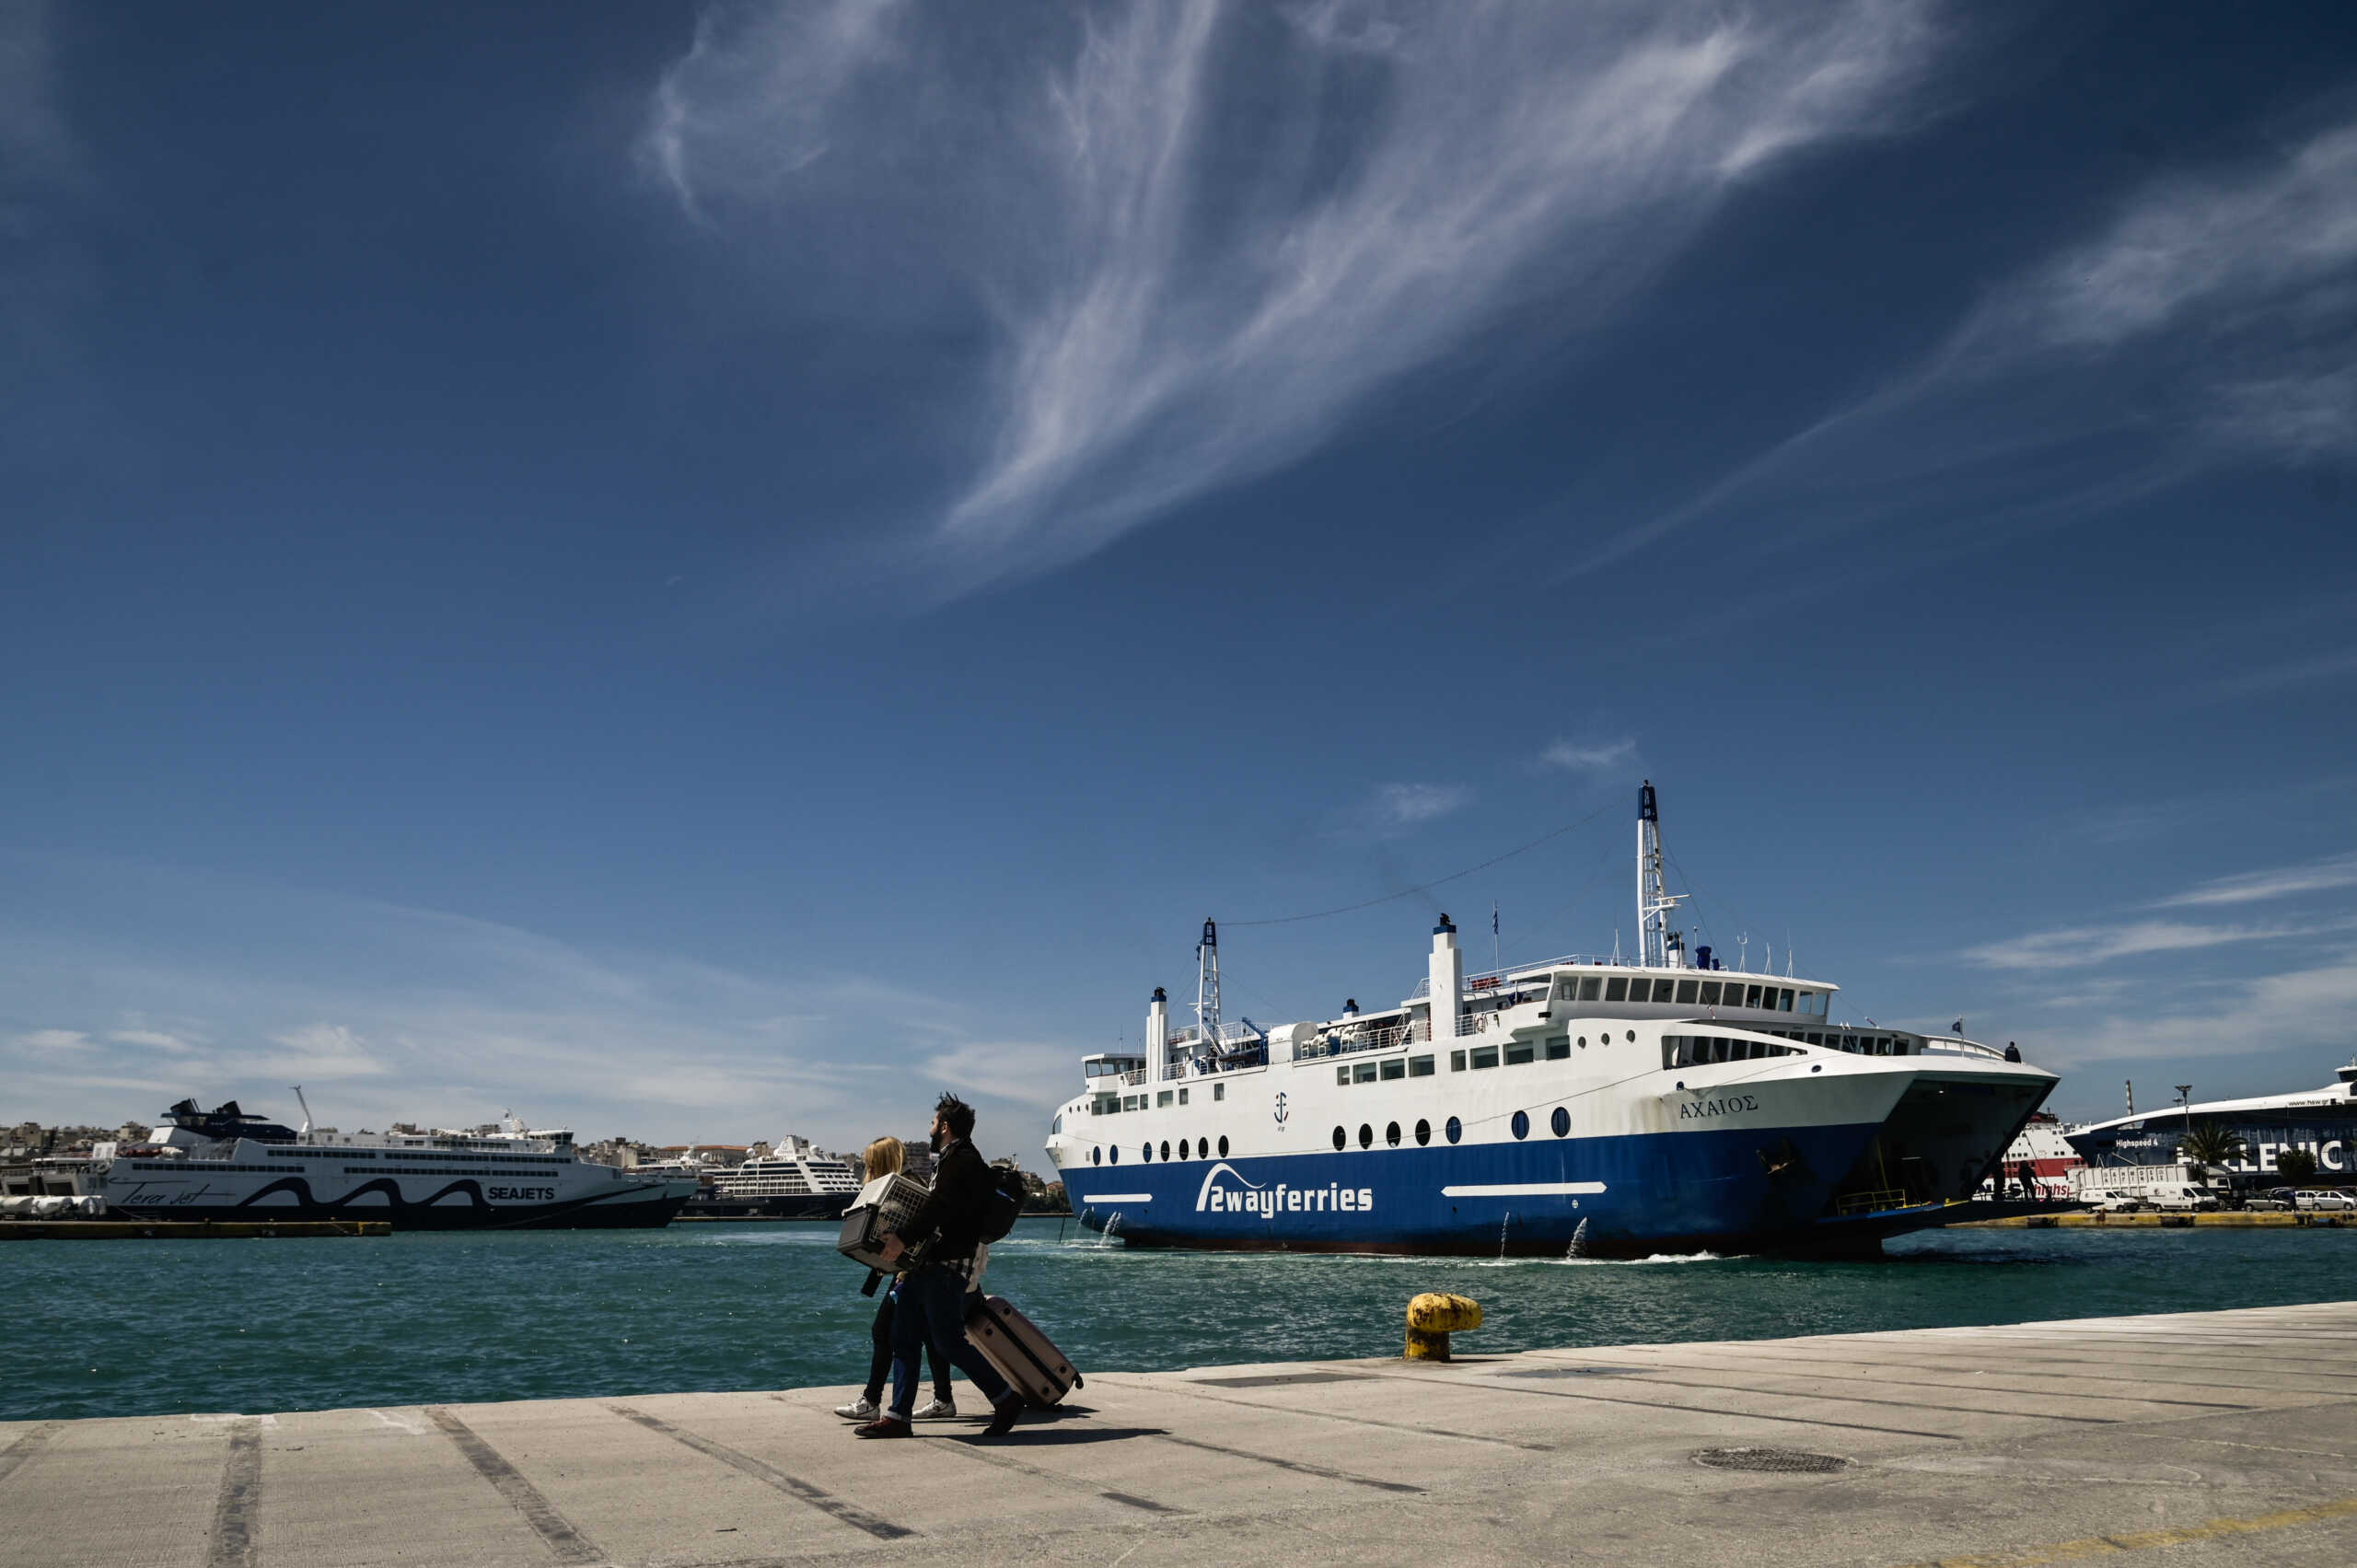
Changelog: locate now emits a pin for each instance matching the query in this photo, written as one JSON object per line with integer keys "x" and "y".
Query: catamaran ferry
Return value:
{"x": 2321, "y": 1120}
{"x": 1582, "y": 1104}
{"x": 226, "y": 1163}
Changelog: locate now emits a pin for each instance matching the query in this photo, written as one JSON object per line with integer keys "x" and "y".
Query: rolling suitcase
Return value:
{"x": 1027, "y": 1358}
{"x": 883, "y": 1204}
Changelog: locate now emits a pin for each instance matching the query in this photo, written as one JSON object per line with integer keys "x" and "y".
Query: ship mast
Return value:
{"x": 1657, "y": 945}
{"x": 1207, "y": 987}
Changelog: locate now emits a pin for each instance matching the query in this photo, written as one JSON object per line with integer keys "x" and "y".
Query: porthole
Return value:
{"x": 1455, "y": 1130}
{"x": 1223, "y": 1147}
{"x": 1182, "y": 1149}
{"x": 1583, "y": 1042}
{"x": 1632, "y": 1036}
{"x": 1166, "y": 1148}
{"x": 1424, "y": 1133}
{"x": 1341, "y": 1140}
{"x": 1391, "y": 1135}
{"x": 1113, "y": 1155}
{"x": 1145, "y": 1153}
{"x": 1097, "y": 1156}
{"x": 1522, "y": 1124}
{"x": 1366, "y": 1136}
{"x": 1561, "y": 1121}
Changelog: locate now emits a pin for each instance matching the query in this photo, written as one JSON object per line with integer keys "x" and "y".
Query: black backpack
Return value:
{"x": 1005, "y": 1205}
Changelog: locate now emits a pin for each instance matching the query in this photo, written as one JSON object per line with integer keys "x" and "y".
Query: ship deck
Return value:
{"x": 2198, "y": 1439}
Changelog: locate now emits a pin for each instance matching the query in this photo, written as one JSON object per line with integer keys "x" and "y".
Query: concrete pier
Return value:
{"x": 2198, "y": 1439}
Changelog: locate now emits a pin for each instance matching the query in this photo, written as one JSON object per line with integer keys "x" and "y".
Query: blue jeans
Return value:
{"x": 932, "y": 1311}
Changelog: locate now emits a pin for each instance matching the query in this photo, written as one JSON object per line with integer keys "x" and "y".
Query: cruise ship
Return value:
{"x": 793, "y": 1181}
{"x": 1582, "y": 1104}
{"x": 227, "y": 1164}
{"x": 2321, "y": 1120}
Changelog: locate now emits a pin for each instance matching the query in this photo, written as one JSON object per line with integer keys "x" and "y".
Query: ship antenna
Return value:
{"x": 1207, "y": 987}
{"x": 1656, "y": 942}
{"x": 306, "y": 1133}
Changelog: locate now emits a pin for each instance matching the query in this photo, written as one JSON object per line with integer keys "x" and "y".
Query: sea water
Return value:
{"x": 124, "y": 1327}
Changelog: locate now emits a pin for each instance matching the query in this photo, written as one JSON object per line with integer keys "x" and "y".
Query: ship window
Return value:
{"x": 1343, "y": 1074}
{"x": 1558, "y": 1047}
{"x": 1456, "y": 1061}
{"x": 1395, "y": 1068}
{"x": 1482, "y": 1056}
{"x": 1097, "y": 1156}
{"x": 1113, "y": 1155}
{"x": 1785, "y": 1000}
{"x": 1521, "y": 1053}
{"x": 1561, "y": 1121}
{"x": 1522, "y": 1124}
{"x": 1710, "y": 993}
{"x": 1219, "y": 1091}
{"x": 1391, "y": 1135}
{"x": 1455, "y": 1130}
{"x": 1362, "y": 1072}
{"x": 1420, "y": 1066}
{"x": 1162, "y": 1099}
{"x": 1664, "y": 990}
{"x": 1145, "y": 1153}
{"x": 1751, "y": 997}
{"x": 1686, "y": 989}
{"x": 1423, "y": 1131}
{"x": 1567, "y": 991}
{"x": 1342, "y": 1139}
{"x": 1056, "y": 1123}
{"x": 1223, "y": 1146}
{"x": 1366, "y": 1136}
{"x": 1166, "y": 1148}
{"x": 1590, "y": 987}
{"x": 1182, "y": 1149}
{"x": 1617, "y": 988}
{"x": 1632, "y": 1036}
{"x": 1182, "y": 1096}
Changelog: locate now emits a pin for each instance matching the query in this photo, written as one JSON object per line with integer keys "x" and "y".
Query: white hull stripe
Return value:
{"x": 1117, "y": 1197}
{"x": 1527, "y": 1189}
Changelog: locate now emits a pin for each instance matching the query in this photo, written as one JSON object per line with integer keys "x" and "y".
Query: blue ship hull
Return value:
{"x": 1650, "y": 1192}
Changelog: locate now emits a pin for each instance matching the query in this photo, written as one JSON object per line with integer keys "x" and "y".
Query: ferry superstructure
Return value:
{"x": 1582, "y": 1103}
{"x": 2322, "y": 1120}
{"x": 227, "y": 1164}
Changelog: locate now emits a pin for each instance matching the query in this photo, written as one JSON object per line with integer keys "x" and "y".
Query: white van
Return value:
{"x": 2177, "y": 1199}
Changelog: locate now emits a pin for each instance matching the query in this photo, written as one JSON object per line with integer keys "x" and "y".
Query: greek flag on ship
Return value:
{"x": 1654, "y": 1103}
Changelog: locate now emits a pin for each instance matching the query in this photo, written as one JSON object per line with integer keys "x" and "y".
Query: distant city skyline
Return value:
{"x": 710, "y": 573}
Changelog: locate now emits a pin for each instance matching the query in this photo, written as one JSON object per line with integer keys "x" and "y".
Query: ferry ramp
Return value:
{"x": 2180, "y": 1439}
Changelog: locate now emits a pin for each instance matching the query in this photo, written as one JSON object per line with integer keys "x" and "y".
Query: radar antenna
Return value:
{"x": 1207, "y": 987}
{"x": 1657, "y": 945}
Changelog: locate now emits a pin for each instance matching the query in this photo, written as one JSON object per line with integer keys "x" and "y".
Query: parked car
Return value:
{"x": 2277, "y": 1201}
{"x": 2325, "y": 1201}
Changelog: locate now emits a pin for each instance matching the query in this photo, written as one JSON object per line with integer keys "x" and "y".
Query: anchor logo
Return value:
{"x": 1281, "y": 1110}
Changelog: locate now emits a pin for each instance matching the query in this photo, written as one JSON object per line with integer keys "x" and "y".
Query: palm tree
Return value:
{"x": 2206, "y": 1144}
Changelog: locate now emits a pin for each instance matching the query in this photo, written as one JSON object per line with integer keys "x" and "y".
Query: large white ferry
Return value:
{"x": 226, "y": 1163}
{"x": 2321, "y": 1120}
{"x": 1582, "y": 1103}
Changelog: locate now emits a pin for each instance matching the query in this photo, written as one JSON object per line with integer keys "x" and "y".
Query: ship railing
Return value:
{"x": 1352, "y": 1039}
{"x": 1874, "y": 1202}
{"x": 1956, "y": 1045}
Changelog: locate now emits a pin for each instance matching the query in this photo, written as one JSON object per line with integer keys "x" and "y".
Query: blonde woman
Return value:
{"x": 886, "y": 1158}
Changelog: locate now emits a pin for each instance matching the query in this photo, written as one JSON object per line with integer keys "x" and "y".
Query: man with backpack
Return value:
{"x": 940, "y": 1240}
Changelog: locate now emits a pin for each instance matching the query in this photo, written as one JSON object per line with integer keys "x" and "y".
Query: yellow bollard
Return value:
{"x": 1432, "y": 1316}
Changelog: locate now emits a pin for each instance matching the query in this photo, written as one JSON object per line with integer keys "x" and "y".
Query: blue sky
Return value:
{"x": 703, "y": 572}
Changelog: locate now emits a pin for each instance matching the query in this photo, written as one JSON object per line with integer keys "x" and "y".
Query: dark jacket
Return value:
{"x": 949, "y": 1222}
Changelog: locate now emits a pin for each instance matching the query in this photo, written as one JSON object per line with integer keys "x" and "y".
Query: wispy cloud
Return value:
{"x": 2302, "y": 1008}
{"x": 1599, "y": 757}
{"x": 1406, "y": 805}
{"x": 2077, "y": 947}
{"x": 1203, "y": 235}
{"x": 2211, "y": 317}
{"x": 43, "y": 179}
{"x": 2255, "y": 886}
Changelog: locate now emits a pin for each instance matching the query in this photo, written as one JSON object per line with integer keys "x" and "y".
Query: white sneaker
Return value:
{"x": 940, "y": 1409}
{"x": 861, "y": 1409}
